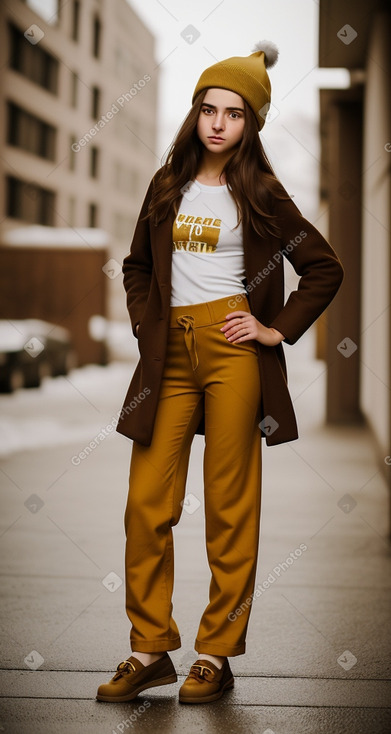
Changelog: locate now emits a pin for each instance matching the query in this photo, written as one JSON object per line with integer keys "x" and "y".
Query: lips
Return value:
{"x": 214, "y": 137}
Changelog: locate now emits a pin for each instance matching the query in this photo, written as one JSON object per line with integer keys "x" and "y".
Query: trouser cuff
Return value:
{"x": 155, "y": 645}
{"x": 217, "y": 648}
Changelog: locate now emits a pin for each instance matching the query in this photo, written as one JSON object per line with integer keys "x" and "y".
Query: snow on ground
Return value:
{"x": 14, "y": 333}
{"x": 38, "y": 235}
{"x": 63, "y": 410}
{"x": 75, "y": 408}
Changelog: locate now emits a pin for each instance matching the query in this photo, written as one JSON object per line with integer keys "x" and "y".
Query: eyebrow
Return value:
{"x": 235, "y": 109}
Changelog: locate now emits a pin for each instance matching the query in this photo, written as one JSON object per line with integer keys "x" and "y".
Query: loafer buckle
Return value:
{"x": 202, "y": 668}
{"x": 124, "y": 666}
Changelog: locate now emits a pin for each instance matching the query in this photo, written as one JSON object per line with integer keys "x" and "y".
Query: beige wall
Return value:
{"x": 375, "y": 355}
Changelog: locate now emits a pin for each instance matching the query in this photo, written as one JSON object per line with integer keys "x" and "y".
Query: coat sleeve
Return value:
{"x": 314, "y": 260}
{"x": 137, "y": 266}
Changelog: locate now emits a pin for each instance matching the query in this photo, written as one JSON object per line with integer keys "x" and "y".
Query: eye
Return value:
{"x": 235, "y": 115}
{"x": 207, "y": 110}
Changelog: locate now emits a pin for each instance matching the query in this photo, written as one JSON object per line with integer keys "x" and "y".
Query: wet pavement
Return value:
{"x": 318, "y": 646}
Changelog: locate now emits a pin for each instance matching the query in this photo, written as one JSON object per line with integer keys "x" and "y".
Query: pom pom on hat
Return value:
{"x": 270, "y": 50}
{"x": 245, "y": 75}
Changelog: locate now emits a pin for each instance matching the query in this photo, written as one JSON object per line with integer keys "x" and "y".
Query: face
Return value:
{"x": 221, "y": 121}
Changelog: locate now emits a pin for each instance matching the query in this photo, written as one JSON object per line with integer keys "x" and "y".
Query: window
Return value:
{"x": 29, "y": 202}
{"x": 72, "y": 154}
{"x": 74, "y": 89}
{"x": 75, "y": 20}
{"x": 96, "y": 37}
{"x": 95, "y": 103}
{"x": 94, "y": 162}
{"x": 30, "y": 133}
{"x": 92, "y": 215}
{"x": 33, "y": 61}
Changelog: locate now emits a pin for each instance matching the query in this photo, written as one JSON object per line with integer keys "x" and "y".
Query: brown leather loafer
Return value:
{"x": 206, "y": 682}
{"x": 132, "y": 677}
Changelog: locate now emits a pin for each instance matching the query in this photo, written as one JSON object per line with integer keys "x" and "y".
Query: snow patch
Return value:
{"x": 40, "y": 236}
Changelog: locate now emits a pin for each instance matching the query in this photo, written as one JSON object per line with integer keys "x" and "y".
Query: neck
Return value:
{"x": 212, "y": 164}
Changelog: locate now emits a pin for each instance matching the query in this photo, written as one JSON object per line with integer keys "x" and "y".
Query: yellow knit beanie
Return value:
{"x": 245, "y": 75}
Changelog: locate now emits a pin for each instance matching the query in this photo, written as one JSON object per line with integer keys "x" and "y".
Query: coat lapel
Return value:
{"x": 161, "y": 245}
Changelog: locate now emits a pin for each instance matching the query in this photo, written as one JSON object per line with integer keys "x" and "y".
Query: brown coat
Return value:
{"x": 147, "y": 281}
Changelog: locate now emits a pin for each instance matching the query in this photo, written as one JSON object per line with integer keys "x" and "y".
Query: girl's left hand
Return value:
{"x": 243, "y": 326}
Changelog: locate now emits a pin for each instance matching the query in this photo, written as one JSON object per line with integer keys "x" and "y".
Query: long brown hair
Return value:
{"x": 248, "y": 173}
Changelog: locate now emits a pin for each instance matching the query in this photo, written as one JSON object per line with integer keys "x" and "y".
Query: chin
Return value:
{"x": 216, "y": 148}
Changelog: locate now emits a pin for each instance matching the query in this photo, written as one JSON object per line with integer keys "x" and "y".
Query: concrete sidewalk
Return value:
{"x": 318, "y": 646}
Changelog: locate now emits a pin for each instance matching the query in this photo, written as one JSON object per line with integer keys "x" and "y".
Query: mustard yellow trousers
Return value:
{"x": 203, "y": 372}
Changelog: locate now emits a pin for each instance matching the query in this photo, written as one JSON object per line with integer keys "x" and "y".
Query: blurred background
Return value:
{"x": 92, "y": 94}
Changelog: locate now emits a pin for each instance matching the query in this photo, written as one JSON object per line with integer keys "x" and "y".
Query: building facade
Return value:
{"x": 356, "y": 193}
{"x": 78, "y": 122}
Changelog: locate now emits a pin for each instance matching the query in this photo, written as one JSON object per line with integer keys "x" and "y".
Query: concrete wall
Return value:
{"x": 375, "y": 326}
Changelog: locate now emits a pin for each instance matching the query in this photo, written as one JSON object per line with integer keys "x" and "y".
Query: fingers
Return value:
{"x": 233, "y": 314}
{"x": 236, "y": 322}
{"x": 235, "y": 330}
{"x": 239, "y": 330}
{"x": 235, "y": 339}
{"x": 246, "y": 320}
{"x": 240, "y": 326}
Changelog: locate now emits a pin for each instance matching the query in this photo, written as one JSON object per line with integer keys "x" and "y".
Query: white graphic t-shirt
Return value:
{"x": 207, "y": 252}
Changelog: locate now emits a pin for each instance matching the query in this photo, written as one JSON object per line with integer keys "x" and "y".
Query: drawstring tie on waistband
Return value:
{"x": 190, "y": 338}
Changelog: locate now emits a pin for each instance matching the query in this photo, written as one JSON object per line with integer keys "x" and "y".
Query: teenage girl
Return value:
{"x": 205, "y": 293}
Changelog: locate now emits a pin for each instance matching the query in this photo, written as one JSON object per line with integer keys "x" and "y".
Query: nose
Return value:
{"x": 218, "y": 123}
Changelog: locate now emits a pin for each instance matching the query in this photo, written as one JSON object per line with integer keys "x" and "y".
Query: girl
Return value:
{"x": 205, "y": 293}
